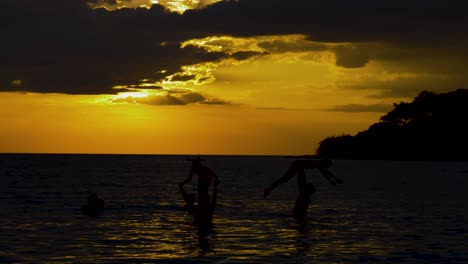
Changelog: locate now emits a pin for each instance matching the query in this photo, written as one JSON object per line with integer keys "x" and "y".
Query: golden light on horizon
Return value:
{"x": 179, "y": 6}
{"x": 91, "y": 124}
{"x": 131, "y": 94}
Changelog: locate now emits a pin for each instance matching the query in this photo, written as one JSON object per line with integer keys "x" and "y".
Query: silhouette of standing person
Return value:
{"x": 203, "y": 215}
{"x": 202, "y": 211}
{"x": 305, "y": 190}
{"x": 205, "y": 177}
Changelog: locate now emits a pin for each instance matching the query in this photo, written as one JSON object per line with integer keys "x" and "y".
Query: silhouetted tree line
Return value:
{"x": 432, "y": 127}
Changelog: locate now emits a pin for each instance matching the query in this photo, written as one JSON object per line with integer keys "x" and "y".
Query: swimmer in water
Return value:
{"x": 94, "y": 207}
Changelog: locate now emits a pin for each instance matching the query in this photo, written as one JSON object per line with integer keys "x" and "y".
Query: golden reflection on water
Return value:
{"x": 170, "y": 237}
{"x": 173, "y": 237}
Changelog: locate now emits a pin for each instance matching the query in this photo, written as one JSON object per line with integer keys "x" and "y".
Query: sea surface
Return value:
{"x": 384, "y": 212}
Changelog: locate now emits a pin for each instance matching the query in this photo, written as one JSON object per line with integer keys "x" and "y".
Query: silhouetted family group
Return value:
{"x": 202, "y": 207}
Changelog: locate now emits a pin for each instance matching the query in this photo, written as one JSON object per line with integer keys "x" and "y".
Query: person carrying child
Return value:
{"x": 305, "y": 189}
{"x": 205, "y": 177}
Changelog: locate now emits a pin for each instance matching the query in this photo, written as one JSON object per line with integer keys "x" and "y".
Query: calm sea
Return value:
{"x": 384, "y": 212}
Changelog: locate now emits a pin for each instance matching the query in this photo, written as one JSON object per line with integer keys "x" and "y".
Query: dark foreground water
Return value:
{"x": 385, "y": 212}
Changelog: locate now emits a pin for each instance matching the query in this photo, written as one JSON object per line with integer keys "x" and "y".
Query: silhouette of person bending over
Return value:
{"x": 305, "y": 190}
{"x": 205, "y": 177}
{"x": 204, "y": 209}
{"x": 94, "y": 207}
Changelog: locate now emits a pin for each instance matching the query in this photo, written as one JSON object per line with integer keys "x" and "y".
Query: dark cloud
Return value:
{"x": 66, "y": 47}
{"x": 63, "y": 46}
{"x": 348, "y": 57}
{"x": 355, "y": 108}
{"x": 280, "y": 46}
{"x": 244, "y": 55}
{"x": 339, "y": 21}
{"x": 103, "y": 2}
{"x": 182, "y": 78}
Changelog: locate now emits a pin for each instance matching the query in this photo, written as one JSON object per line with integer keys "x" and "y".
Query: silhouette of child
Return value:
{"x": 94, "y": 207}
{"x": 189, "y": 200}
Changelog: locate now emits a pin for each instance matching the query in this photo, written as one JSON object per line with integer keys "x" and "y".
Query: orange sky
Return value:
{"x": 88, "y": 124}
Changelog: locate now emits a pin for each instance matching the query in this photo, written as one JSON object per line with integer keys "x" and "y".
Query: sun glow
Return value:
{"x": 125, "y": 97}
{"x": 179, "y": 6}
{"x": 131, "y": 94}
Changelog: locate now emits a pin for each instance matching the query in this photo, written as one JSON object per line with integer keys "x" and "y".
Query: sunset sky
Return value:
{"x": 216, "y": 77}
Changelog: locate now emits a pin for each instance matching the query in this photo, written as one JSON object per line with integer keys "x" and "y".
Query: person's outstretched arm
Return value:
{"x": 330, "y": 176}
{"x": 182, "y": 191}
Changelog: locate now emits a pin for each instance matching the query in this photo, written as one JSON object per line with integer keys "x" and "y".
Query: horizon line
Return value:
{"x": 154, "y": 154}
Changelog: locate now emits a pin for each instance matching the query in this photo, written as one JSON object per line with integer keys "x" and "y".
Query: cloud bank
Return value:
{"x": 57, "y": 46}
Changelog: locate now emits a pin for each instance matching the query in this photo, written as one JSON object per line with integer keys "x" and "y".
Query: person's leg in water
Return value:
{"x": 203, "y": 198}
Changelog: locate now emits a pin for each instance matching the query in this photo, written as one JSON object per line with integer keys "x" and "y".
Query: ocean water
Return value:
{"x": 384, "y": 212}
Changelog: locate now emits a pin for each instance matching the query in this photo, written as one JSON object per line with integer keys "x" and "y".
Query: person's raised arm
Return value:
{"x": 328, "y": 175}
